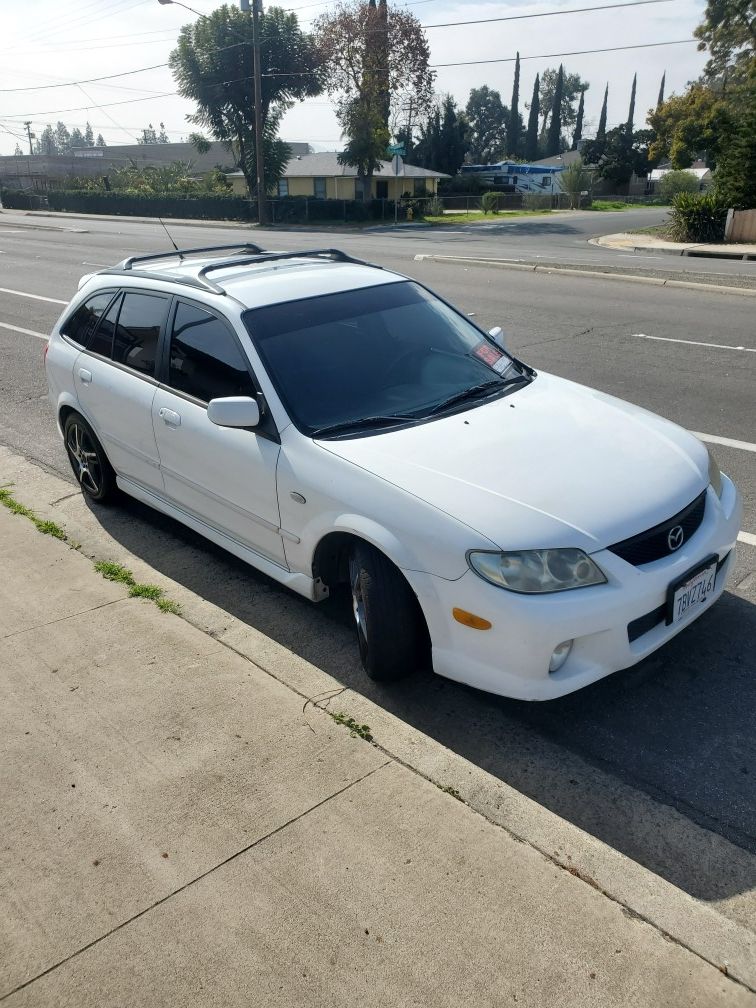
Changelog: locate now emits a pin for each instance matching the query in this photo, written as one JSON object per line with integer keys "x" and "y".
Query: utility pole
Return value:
{"x": 29, "y": 134}
{"x": 262, "y": 208}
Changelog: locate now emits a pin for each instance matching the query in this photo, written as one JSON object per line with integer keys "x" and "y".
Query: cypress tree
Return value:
{"x": 531, "y": 137}
{"x": 513, "y": 131}
{"x": 579, "y": 124}
{"x": 660, "y": 99}
{"x": 554, "y": 135}
{"x": 601, "y": 131}
{"x": 631, "y": 113}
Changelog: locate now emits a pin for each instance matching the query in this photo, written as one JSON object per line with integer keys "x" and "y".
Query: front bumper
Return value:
{"x": 512, "y": 658}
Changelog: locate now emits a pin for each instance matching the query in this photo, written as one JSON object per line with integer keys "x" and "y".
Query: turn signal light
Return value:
{"x": 470, "y": 619}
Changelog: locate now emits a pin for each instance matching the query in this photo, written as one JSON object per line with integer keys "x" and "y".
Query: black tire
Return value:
{"x": 89, "y": 462}
{"x": 386, "y": 614}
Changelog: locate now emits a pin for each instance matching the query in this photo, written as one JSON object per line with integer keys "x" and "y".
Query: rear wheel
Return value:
{"x": 386, "y": 615}
{"x": 88, "y": 460}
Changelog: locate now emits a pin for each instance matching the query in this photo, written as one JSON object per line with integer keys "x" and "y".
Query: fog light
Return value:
{"x": 560, "y": 655}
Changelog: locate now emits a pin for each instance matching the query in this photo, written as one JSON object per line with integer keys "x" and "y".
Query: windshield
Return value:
{"x": 375, "y": 358}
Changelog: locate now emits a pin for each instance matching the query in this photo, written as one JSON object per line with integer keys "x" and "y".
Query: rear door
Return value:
{"x": 224, "y": 476}
{"x": 115, "y": 383}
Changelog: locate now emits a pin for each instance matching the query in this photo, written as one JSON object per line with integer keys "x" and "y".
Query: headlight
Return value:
{"x": 534, "y": 572}
{"x": 715, "y": 476}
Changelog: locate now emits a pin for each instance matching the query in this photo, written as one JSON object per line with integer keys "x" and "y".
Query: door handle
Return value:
{"x": 86, "y": 376}
{"x": 169, "y": 417}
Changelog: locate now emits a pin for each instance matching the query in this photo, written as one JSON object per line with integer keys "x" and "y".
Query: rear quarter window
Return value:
{"x": 80, "y": 326}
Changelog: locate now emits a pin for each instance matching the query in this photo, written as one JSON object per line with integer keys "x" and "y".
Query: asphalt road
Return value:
{"x": 658, "y": 760}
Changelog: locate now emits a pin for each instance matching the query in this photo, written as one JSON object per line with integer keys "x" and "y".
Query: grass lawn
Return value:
{"x": 620, "y": 205}
{"x": 476, "y": 217}
{"x": 657, "y": 230}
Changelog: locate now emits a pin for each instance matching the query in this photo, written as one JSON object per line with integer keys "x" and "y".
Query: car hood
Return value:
{"x": 552, "y": 464}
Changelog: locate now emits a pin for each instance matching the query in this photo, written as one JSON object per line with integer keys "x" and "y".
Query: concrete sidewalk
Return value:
{"x": 177, "y": 830}
{"x": 648, "y": 243}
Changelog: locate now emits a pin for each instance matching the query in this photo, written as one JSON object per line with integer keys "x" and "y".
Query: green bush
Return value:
{"x": 489, "y": 201}
{"x": 697, "y": 217}
{"x": 675, "y": 182}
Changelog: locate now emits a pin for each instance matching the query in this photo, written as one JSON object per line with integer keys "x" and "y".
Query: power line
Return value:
{"x": 309, "y": 73}
{"x": 449, "y": 24}
{"x": 577, "y": 52}
{"x": 523, "y": 17}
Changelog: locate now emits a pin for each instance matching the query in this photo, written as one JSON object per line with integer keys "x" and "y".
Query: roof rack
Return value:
{"x": 263, "y": 256}
{"x": 243, "y": 247}
{"x": 187, "y": 281}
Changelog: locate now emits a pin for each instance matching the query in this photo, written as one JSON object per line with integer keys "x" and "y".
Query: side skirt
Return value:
{"x": 300, "y": 583}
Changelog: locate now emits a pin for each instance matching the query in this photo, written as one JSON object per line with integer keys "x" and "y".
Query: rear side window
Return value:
{"x": 102, "y": 341}
{"x": 135, "y": 341}
{"x": 81, "y": 325}
{"x": 205, "y": 359}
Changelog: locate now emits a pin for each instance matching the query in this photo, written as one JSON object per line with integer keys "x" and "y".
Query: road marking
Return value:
{"x": 26, "y": 332}
{"x": 35, "y": 297}
{"x": 94, "y": 264}
{"x": 718, "y": 346}
{"x": 747, "y": 537}
{"x": 727, "y": 442}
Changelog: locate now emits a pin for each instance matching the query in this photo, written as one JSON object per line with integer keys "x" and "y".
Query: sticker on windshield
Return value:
{"x": 491, "y": 356}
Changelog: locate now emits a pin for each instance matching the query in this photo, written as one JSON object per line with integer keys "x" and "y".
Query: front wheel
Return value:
{"x": 386, "y": 615}
{"x": 88, "y": 460}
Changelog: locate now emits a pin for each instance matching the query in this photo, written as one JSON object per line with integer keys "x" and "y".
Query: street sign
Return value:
{"x": 394, "y": 149}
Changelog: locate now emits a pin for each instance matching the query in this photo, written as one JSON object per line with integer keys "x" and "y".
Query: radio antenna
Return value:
{"x": 169, "y": 238}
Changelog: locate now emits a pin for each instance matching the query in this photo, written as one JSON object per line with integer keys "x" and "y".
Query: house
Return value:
{"x": 321, "y": 176}
{"x": 698, "y": 168}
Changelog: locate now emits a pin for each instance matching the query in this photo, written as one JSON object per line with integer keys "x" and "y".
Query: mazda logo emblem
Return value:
{"x": 675, "y": 537}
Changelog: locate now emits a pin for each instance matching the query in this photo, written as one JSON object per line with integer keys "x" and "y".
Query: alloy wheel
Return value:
{"x": 85, "y": 460}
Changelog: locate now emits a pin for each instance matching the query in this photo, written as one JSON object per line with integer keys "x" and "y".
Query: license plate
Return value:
{"x": 692, "y": 591}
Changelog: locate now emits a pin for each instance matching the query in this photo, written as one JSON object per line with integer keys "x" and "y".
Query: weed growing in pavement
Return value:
{"x": 448, "y": 789}
{"x": 113, "y": 571}
{"x": 15, "y": 507}
{"x": 355, "y": 729}
{"x": 109, "y": 569}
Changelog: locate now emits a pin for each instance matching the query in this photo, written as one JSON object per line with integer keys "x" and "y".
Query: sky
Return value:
{"x": 45, "y": 46}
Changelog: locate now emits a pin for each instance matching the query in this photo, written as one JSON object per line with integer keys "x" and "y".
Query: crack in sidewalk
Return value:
{"x": 62, "y": 619}
{"x": 191, "y": 882}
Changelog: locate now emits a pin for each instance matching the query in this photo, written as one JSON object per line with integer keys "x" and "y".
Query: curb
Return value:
{"x": 681, "y": 918}
{"x": 625, "y": 277}
{"x": 688, "y": 250}
{"x": 110, "y": 217}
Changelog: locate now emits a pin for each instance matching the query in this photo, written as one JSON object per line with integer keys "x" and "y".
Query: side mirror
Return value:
{"x": 234, "y": 411}
{"x": 497, "y": 335}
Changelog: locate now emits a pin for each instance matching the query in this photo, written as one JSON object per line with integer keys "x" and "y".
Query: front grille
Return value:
{"x": 643, "y": 624}
{"x": 653, "y": 544}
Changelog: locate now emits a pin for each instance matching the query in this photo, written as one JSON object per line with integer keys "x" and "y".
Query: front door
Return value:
{"x": 222, "y": 475}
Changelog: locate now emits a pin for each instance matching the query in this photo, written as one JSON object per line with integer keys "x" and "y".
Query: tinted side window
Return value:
{"x": 136, "y": 335}
{"x": 205, "y": 360}
{"x": 102, "y": 342}
{"x": 83, "y": 322}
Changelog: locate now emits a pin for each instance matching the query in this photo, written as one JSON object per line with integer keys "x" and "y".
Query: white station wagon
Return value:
{"x": 329, "y": 421}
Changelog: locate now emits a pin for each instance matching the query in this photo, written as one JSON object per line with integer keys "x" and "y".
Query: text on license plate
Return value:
{"x": 694, "y": 593}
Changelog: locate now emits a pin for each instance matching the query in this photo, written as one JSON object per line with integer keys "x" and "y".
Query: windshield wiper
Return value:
{"x": 477, "y": 391}
{"x": 355, "y": 425}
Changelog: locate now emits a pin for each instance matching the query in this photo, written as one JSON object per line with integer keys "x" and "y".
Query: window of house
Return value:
{"x": 381, "y": 188}
{"x": 82, "y": 324}
{"x": 319, "y": 188}
{"x": 205, "y": 360}
{"x": 283, "y": 187}
{"x": 419, "y": 187}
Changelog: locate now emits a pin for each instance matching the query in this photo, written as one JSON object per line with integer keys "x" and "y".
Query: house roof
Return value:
{"x": 659, "y": 173}
{"x": 327, "y": 165}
